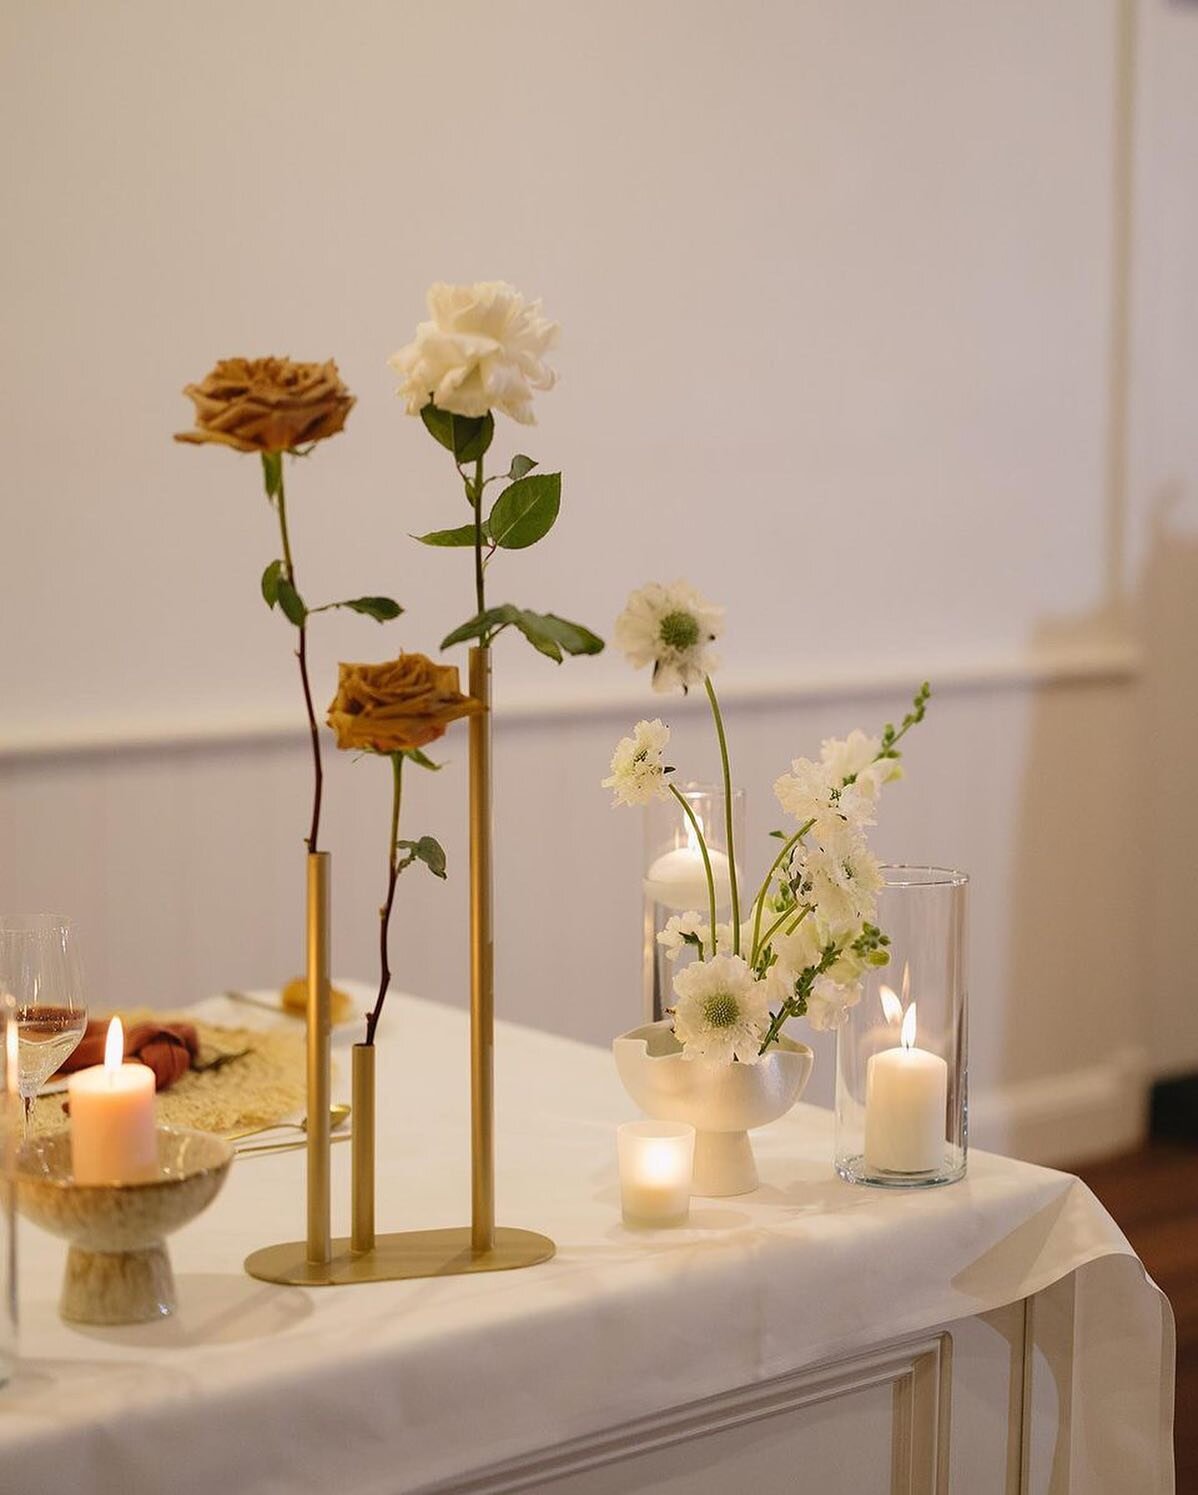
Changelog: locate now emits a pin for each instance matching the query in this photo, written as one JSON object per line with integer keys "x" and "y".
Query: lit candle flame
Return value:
{"x": 891, "y": 1005}
{"x": 906, "y": 982}
{"x": 114, "y": 1046}
{"x": 908, "y": 1033}
{"x": 692, "y": 840}
{"x": 657, "y": 1163}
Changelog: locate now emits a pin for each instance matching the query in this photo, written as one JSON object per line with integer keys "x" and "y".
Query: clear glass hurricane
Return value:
{"x": 40, "y": 969}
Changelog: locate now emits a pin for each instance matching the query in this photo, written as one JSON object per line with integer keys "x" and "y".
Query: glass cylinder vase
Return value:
{"x": 675, "y": 879}
{"x": 901, "y": 1055}
{"x": 11, "y": 1127}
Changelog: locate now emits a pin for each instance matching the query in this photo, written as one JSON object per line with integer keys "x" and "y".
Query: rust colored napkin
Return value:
{"x": 167, "y": 1048}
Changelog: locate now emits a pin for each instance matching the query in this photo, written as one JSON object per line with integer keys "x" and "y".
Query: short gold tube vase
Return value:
{"x": 482, "y": 1246}
{"x": 361, "y": 1229}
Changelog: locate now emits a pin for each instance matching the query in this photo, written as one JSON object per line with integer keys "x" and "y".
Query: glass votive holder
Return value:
{"x": 11, "y": 1127}
{"x": 902, "y": 1052}
{"x": 675, "y": 878}
{"x": 657, "y": 1159}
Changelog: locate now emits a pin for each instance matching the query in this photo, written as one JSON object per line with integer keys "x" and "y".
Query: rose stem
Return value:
{"x": 698, "y": 829}
{"x": 302, "y": 655}
{"x": 385, "y": 912}
{"x": 479, "y": 583}
{"x": 719, "y": 727}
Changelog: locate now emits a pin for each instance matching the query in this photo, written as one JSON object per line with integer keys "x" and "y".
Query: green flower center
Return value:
{"x": 721, "y": 1010}
{"x": 679, "y": 630}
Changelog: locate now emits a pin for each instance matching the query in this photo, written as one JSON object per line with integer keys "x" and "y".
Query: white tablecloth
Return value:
{"x": 372, "y": 1389}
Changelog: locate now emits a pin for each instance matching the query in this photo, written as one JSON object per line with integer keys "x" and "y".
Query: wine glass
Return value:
{"x": 41, "y": 971}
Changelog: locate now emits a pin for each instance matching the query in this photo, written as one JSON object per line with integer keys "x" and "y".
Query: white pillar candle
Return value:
{"x": 113, "y": 1136}
{"x": 657, "y": 1159}
{"x": 678, "y": 881}
{"x": 906, "y": 1101}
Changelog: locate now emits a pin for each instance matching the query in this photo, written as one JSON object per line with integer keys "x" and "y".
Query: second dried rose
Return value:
{"x": 403, "y": 704}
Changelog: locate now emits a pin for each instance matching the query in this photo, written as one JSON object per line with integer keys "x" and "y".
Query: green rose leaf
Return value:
{"x": 525, "y": 512}
{"x": 272, "y": 473}
{"x": 481, "y": 623}
{"x": 381, "y": 609}
{"x": 463, "y": 535}
{"x": 546, "y": 632}
{"x": 291, "y": 602}
{"x": 573, "y": 637}
{"x": 427, "y": 850}
{"x": 521, "y": 466}
{"x": 270, "y": 583}
{"x": 466, "y": 436}
{"x": 422, "y": 759}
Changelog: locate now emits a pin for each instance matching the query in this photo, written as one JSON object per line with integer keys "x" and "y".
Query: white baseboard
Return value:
{"x": 1067, "y": 1118}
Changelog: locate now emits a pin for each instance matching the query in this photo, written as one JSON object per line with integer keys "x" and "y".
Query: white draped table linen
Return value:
{"x": 372, "y": 1389}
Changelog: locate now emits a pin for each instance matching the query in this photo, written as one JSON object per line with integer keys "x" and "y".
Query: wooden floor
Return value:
{"x": 1153, "y": 1194}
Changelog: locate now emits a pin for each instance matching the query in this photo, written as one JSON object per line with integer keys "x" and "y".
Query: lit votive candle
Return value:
{"x": 113, "y": 1137}
{"x": 657, "y": 1159}
{"x": 906, "y": 1102}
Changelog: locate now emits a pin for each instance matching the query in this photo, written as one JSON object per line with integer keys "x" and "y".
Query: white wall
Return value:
{"x": 840, "y": 290}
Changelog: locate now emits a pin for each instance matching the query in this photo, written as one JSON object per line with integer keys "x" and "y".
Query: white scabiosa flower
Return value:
{"x": 722, "y": 1012}
{"x": 638, "y": 771}
{"x": 846, "y": 757}
{"x": 674, "y": 937}
{"x": 842, "y": 885}
{"x": 482, "y": 349}
{"x": 671, "y": 628}
{"x": 828, "y": 1003}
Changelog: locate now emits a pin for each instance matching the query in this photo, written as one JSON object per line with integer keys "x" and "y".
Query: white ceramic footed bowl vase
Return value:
{"x": 722, "y": 1102}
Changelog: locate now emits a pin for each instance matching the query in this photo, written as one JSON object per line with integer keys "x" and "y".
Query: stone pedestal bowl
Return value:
{"x": 722, "y": 1102}
{"x": 118, "y": 1270}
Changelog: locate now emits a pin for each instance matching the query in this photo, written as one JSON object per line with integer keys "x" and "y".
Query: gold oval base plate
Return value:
{"x": 400, "y": 1256}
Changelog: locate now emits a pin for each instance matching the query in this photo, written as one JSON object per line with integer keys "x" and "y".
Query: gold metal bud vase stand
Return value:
{"x": 364, "y": 1256}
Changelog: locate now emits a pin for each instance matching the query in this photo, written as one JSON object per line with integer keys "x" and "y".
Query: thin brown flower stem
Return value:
{"x": 301, "y": 654}
{"x": 719, "y": 728}
{"x": 393, "y": 870}
{"x": 690, "y": 815}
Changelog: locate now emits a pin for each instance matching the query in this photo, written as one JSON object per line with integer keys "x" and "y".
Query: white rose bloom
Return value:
{"x": 671, "y": 628}
{"x": 638, "y": 772}
{"x": 722, "y": 1013}
{"x": 828, "y": 1003}
{"x": 482, "y": 349}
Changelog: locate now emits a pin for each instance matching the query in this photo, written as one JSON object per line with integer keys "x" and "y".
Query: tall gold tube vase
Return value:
{"x": 320, "y": 1234}
{"x": 482, "y": 963}
{"x": 366, "y": 1256}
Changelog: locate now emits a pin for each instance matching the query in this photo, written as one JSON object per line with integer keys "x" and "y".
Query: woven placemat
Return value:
{"x": 266, "y": 1084}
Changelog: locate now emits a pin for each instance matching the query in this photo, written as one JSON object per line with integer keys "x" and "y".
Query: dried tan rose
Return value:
{"x": 268, "y": 404}
{"x": 406, "y": 703}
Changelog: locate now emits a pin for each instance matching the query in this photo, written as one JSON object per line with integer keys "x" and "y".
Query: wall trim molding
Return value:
{"x": 1109, "y": 662}
{"x": 1067, "y": 1118}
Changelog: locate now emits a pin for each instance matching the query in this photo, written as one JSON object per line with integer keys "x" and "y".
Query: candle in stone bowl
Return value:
{"x": 113, "y": 1137}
